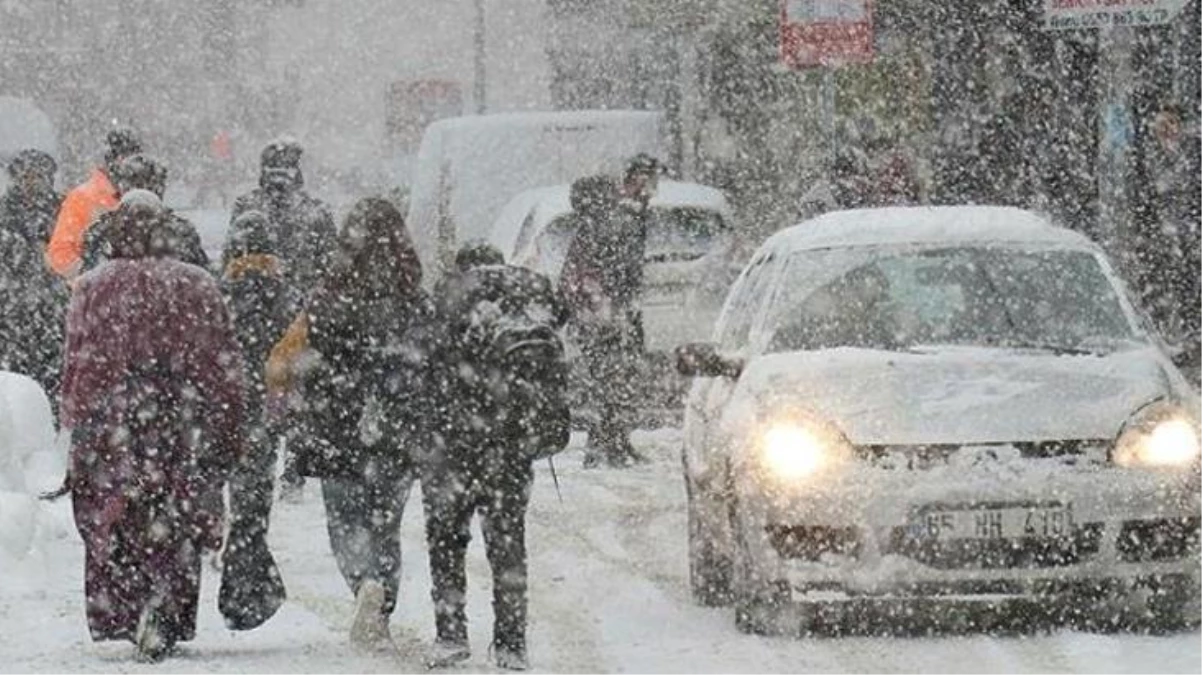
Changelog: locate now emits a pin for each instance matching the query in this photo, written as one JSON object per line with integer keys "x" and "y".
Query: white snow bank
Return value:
{"x": 26, "y": 429}
{"x": 31, "y": 460}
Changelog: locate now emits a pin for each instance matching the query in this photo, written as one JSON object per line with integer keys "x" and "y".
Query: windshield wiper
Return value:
{"x": 1058, "y": 350}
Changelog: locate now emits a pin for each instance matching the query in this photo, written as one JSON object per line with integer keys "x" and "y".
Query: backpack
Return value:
{"x": 261, "y": 304}
{"x": 505, "y": 322}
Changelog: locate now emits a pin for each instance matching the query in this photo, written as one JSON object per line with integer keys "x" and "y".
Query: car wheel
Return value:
{"x": 1173, "y": 606}
{"x": 709, "y": 559}
{"x": 760, "y": 603}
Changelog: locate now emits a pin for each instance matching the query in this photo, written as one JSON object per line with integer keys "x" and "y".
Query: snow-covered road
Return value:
{"x": 609, "y": 593}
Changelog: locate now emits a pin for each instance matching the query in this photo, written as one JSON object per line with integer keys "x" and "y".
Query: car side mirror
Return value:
{"x": 701, "y": 359}
{"x": 1186, "y": 357}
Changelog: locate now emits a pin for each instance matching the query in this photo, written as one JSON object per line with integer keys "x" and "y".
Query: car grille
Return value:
{"x": 1025, "y": 553}
{"x": 811, "y": 542}
{"x": 919, "y": 457}
{"x": 1160, "y": 539}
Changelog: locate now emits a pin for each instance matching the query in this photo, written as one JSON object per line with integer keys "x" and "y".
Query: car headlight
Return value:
{"x": 794, "y": 449}
{"x": 1162, "y": 435}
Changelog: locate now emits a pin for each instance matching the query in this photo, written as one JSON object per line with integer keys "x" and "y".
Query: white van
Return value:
{"x": 468, "y": 168}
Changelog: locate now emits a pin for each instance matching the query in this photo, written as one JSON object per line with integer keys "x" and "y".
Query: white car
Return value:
{"x": 935, "y": 404}
{"x": 691, "y": 255}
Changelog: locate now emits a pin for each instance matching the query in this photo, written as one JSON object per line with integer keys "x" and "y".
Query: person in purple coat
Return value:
{"x": 153, "y": 395}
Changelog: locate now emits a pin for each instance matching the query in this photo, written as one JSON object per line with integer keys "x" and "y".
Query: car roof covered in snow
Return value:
{"x": 552, "y": 201}
{"x": 925, "y": 225}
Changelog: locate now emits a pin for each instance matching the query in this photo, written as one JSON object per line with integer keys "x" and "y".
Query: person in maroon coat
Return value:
{"x": 153, "y": 394}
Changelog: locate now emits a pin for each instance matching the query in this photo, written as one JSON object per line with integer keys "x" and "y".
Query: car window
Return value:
{"x": 877, "y": 299}
{"x": 550, "y": 248}
{"x": 747, "y": 298}
{"x": 525, "y": 232}
{"x": 682, "y": 233}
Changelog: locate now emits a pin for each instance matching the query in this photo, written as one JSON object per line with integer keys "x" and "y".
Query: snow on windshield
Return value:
{"x": 886, "y": 299}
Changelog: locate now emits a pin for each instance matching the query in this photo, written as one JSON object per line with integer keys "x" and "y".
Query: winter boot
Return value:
{"x": 292, "y": 487}
{"x": 151, "y": 640}
{"x": 592, "y": 457}
{"x": 446, "y": 653}
{"x": 369, "y": 629}
{"x": 510, "y": 659}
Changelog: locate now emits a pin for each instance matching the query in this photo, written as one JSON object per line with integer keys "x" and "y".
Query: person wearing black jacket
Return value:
{"x": 261, "y": 306}
{"x": 301, "y": 225}
{"x": 32, "y": 300}
{"x": 501, "y": 405}
{"x": 302, "y": 236}
{"x": 369, "y": 322}
{"x": 602, "y": 280}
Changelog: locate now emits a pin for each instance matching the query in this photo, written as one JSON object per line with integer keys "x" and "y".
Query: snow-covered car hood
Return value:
{"x": 958, "y": 395}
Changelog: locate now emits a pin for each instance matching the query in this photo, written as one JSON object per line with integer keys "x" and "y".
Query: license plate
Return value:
{"x": 1039, "y": 522}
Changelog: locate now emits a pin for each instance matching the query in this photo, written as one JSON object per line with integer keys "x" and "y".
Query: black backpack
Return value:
{"x": 509, "y": 357}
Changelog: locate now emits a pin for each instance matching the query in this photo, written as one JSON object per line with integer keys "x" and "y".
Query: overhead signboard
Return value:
{"x": 825, "y": 32}
{"x": 1080, "y": 14}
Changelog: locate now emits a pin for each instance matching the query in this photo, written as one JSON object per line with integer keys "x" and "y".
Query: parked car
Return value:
{"x": 906, "y": 407}
{"x": 467, "y": 168}
{"x": 691, "y": 253}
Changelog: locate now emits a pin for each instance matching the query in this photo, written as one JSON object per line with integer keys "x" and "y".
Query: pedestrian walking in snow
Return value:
{"x": 365, "y": 402}
{"x": 602, "y": 281}
{"x": 32, "y": 300}
{"x": 1172, "y": 243}
{"x": 181, "y": 240}
{"x": 152, "y": 394}
{"x": 301, "y": 236}
{"x": 502, "y": 405}
{"x": 261, "y": 305}
{"x": 85, "y": 203}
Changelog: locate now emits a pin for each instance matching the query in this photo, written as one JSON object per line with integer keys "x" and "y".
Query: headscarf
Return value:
{"x": 139, "y": 231}
{"x": 377, "y": 255}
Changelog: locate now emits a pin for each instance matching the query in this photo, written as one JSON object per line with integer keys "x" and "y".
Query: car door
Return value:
{"x": 684, "y": 284}
{"x": 710, "y": 395}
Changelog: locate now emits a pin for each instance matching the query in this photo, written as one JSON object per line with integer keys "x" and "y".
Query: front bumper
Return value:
{"x": 859, "y": 532}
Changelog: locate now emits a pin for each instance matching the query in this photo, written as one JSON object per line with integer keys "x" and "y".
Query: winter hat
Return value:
{"x": 477, "y": 253}
{"x": 32, "y": 161}
{"x": 139, "y": 200}
{"x": 591, "y": 194}
{"x": 139, "y": 172}
{"x": 642, "y": 164}
{"x": 281, "y": 153}
{"x": 252, "y": 234}
{"x": 138, "y": 232}
{"x": 122, "y": 142}
{"x": 280, "y": 166}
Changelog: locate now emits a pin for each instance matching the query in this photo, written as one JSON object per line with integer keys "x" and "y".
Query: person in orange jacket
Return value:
{"x": 85, "y": 203}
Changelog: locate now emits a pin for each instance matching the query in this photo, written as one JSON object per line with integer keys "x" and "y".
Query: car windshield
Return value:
{"x": 1056, "y": 300}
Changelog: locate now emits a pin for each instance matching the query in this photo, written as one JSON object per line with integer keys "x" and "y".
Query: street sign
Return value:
{"x": 825, "y": 32}
{"x": 1079, "y": 14}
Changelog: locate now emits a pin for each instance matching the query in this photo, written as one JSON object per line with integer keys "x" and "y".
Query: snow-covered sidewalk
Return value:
{"x": 608, "y": 593}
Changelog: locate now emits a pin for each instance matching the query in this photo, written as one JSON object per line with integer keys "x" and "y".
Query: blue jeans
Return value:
{"x": 363, "y": 516}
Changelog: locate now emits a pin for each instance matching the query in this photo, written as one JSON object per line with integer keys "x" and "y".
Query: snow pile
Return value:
{"x": 29, "y": 462}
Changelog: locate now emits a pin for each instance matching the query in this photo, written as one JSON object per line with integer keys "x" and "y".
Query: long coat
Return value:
{"x": 32, "y": 299}
{"x": 153, "y": 394}
{"x": 366, "y": 401}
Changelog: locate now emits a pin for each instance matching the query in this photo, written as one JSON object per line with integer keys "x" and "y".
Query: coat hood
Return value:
{"x": 960, "y": 395}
